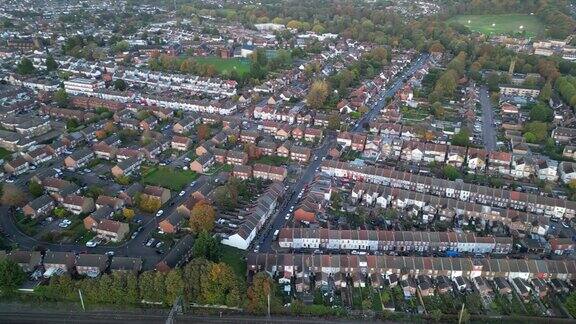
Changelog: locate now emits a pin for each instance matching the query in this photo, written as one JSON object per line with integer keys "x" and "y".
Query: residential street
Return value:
{"x": 136, "y": 248}
{"x": 278, "y": 220}
{"x": 488, "y": 129}
{"x": 131, "y": 248}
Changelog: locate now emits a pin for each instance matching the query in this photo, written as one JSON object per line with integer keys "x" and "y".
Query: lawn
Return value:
{"x": 169, "y": 178}
{"x": 4, "y": 153}
{"x": 235, "y": 259}
{"x": 26, "y": 224}
{"x": 416, "y": 114}
{"x": 501, "y": 24}
{"x": 242, "y": 66}
{"x": 272, "y": 160}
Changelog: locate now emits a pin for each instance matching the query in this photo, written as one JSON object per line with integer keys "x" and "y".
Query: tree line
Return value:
{"x": 200, "y": 281}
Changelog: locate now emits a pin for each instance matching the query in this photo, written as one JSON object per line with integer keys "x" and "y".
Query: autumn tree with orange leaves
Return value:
{"x": 202, "y": 217}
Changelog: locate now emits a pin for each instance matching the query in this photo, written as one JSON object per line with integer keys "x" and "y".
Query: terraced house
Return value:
{"x": 548, "y": 206}
{"x": 336, "y": 267}
{"x": 402, "y": 241}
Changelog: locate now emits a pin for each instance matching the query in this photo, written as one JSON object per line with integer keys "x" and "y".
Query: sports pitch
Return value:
{"x": 501, "y": 24}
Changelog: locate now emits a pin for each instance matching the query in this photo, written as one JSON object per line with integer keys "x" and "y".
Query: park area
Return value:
{"x": 501, "y": 24}
{"x": 224, "y": 66}
{"x": 172, "y": 179}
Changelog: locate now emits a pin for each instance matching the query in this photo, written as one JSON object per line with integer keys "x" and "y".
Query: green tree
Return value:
{"x": 451, "y": 173}
{"x": 160, "y": 288}
{"x": 436, "y": 315}
{"x": 446, "y": 84}
{"x": 464, "y": 316}
{"x": 35, "y": 189}
{"x": 193, "y": 275}
{"x": 202, "y": 217}
{"x": 121, "y": 46}
{"x": 461, "y": 138}
{"x": 217, "y": 284}
{"x": 493, "y": 81}
{"x": 570, "y": 303}
{"x": 334, "y": 122}
{"x": 120, "y": 85}
{"x": 538, "y": 131}
{"x": 541, "y": 112}
{"x": 25, "y": 67}
{"x": 206, "y": 246}
{"x": 11, "y": 276}
{"x": 262, "y": 287}
{"x": 72, "y": 124}
{"x": 438, "y": 110}
{"x": 61, "y": 98}
{"x": 546, "y": 92}
{"x": 51, "y": 64}
{"x": 132, "y": 292}
{"x": 174, "y": 286}
{"x": 318, "y": 94}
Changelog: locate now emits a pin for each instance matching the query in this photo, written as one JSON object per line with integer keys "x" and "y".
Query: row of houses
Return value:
{"x": 548, "y": 206}
{"x": 260, "y": 171}
{"x": 91, "y": 265}
{"x": 446, "y": 209}
{"x": 258, "y": 214}
{"x": 301, "y": 265}
{"x": 377, "y": 240}
{"x": 178, "y": 82}
{"x": 295, "y": 153}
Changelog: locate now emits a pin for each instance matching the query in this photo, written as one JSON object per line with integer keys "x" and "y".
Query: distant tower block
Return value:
{"x": 512, "y": 65}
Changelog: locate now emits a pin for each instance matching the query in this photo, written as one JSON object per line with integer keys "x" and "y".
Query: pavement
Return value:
{"x": 488, "y": 129}
{"x": 307, "y": 176}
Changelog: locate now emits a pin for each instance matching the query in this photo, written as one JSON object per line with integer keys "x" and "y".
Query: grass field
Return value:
{"x": 169, "y": 178}
{"x": 242, "y": 66}
{"x": 235, "y": 259}
{"x": 501, "y": 24}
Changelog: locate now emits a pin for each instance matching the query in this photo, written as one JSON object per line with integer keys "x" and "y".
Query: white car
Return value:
{"x": 181, "y": 193}
{"x": 287, "y": 216}
{"x": 91, "y": 244}
{"x": 159, "y": 213}
{"x": 292, "y": 208}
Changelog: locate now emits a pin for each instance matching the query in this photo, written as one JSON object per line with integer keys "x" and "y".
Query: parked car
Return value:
{"x": 91, "y": 244}
{"x": 159, "y": 213}
{"x": 150, "y": 242}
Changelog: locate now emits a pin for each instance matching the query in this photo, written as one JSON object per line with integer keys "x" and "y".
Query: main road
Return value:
{"x": 307, "y": 176}
{"x": 488, "y": 131}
